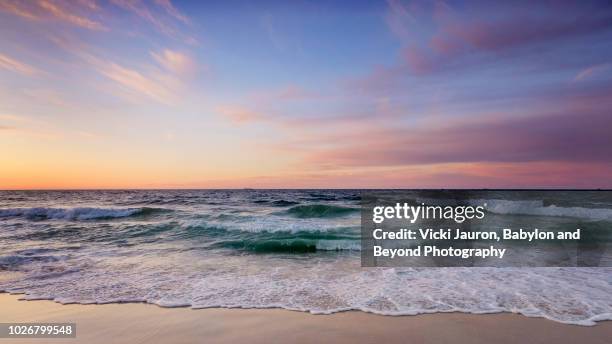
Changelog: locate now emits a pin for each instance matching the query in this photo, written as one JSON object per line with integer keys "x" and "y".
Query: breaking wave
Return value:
{"x": 537, "y": 208}
{"x": 75, "y": 214}
{"x": 320, "y": 211}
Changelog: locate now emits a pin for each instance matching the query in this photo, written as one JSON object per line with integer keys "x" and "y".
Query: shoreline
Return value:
{"x": 22, "y": 297}
{"x": 142, "y": 322}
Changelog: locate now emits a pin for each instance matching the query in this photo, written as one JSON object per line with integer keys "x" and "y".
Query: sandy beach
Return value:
{"x": 143, "y": 323}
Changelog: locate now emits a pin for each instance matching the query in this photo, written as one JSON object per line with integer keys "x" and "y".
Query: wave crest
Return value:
{"x": 320, "y": 211}
{"x": 75, "y": 214}
{"x": 537, "y": 208}
{"x": 291, "y": 245}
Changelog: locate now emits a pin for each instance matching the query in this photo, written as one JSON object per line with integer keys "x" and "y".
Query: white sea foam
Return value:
{"x": 273, "y": 224}
{"x": 537, "y": 208}
{"x": 573, "y": 296}
{"x": 69, "y": 213}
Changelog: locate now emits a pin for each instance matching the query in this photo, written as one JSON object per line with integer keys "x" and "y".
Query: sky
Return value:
{"x": 305, "y": 94}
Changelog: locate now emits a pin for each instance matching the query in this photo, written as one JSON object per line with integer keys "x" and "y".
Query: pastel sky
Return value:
{"x": 301, "y": 94}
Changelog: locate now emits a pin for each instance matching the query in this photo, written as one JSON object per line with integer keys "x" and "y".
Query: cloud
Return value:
{"x": 81, "y": 13}
{"x": 288, "y": 93}
{"x": 294, "y": 108}
{"x": 171, "y": 10}
{"x": 46, "y": 96}
{"x": 399, "y": 19}
{"x": 140, "y": 9}
{"x": 267, "y": 21}
{"x": 16, "y": 66}
{"x": 65, "y": 14}
{"x": 88, "y": 135}
{"x": 458, "y": 175}
{"x": 163, "y": 81}
{"x": 437, "y": 37}
{"x": 135, "y": 81}
{"x": 569, "y": 124}
{"x": 20, "y": 119}
{"x": 143, "y": 11}
{"x": 240, "y": 115}
{"x": 64, "y": 11}
{"x": 29, "y": 127}
{"x": 18, "y": 8}
{"x": 90, "y": 4}
{"x": 592, "y": 71}
{"x": 460, "y": 35}
{"x": 553, "y": 137}
{"x": 293, "y": 92}
{"x": 26, "y": 126}
{"x": 264, "y": 106}
{"x": 160, "y": 75}
{"x": 175, "y": 62}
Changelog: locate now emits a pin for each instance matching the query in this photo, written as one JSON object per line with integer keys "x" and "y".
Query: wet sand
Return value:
{"x": 143, "y": 323}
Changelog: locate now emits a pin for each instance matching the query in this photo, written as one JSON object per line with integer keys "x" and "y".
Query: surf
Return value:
{"x": 76, "y": 214}
{"x": 320, "y": 211}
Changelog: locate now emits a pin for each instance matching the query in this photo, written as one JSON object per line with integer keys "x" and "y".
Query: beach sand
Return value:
{"x": 143, "y": 323}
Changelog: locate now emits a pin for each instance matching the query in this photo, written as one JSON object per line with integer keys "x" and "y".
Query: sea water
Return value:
{"x": 292, "y": 249}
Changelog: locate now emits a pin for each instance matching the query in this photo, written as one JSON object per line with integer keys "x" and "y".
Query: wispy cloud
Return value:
{"x": 18, "y": 8}
{"x": 162, "y": 76}
{"x": 64, "y": 11}
{"x": 20, "y": 119}
{"x": 269, "y": 106}
{"x": 267, "y": 21}
{"x": 91, "y": 4}
{"x": 175, "y": 62}
{"x": 142, "y": 10}
{"x": 29, "y": 127}
{"x": 88, "y": 14}
{"x": 13, "y": 65}
{"x": 592, "y": 71}
{"x": 399, "y": 19}
{"x": 65, "y": 14}
{"x": 88, "y": 135}
{"x": 135, "y": 81}
{"x": 46, "y": 96}
{"x": 171, "y": 10}
{"x": 240, "y": 115}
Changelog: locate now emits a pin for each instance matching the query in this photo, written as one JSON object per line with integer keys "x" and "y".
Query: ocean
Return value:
{"x": 291, "y": 249}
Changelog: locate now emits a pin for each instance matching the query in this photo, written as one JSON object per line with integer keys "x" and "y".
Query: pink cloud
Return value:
{"x": 440, "y": 34}
{"x": 65, "y": 14}
{"x": 74, "y": 13}
{"x": 164, "y": 81}
{"x": 175, "y": 62}
{"x": 592, "y": 71}
{"x": 13, "y": 65}
{"x": 240, "y": 115}
{"x": 418, "y": 60}
{"x": 477, "y": 175}
{"x": 554, "y": 137}
{"x": 562, "y": 133}
{"x": 89, "y": 14}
